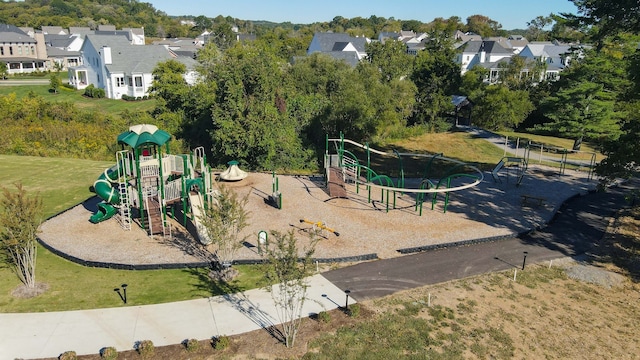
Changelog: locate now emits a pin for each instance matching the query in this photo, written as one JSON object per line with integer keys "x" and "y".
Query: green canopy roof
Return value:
{"x": 139, "y": 135}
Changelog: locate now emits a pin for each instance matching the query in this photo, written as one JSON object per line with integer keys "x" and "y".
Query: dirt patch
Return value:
{"x": 25, "y": 292}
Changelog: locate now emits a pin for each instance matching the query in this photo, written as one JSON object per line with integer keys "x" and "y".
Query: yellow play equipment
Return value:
{"x": 320, "y": 225}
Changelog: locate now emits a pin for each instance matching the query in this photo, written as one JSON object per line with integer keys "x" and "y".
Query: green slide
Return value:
{"x": 104, "y": 189}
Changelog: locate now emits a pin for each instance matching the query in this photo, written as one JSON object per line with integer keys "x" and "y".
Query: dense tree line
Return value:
{"x": 256, "y": 105}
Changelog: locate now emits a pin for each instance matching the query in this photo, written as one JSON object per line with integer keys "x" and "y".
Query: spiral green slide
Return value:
{"x": 103, "y": 187}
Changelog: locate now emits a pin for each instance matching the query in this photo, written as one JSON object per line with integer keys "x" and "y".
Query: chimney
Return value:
{"x": 483, "y": 54}
{"x": 106, "y": 55}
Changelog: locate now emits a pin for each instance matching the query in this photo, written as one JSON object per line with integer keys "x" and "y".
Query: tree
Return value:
{"x": 224, "y": 219}
{"x": 54, "y": 82}
{"x": 499, "y": 108}
{"x": 437, "y": 77}
{"x": 390, "y": 57}
{"x": 623, "y": 153}
{"x": 584, "y": 110}
{"x": 483, "y": 26}
{"x": 606, "y": 18}
{"x": 4, "y": 70}
{"x": 288, "y": 272}
{"x": 20, "y": 218}
{"x": 536, "y": 28}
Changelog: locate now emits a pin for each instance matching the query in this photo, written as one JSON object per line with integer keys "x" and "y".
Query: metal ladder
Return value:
{"x": 125, "y": 203}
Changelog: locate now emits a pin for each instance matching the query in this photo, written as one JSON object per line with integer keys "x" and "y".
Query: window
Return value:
{"x": 33, "y": 50}
{"x": 120, "y": 81}
{"x": 138, "y": 80}
{"x": 2, "y": 50}
{"x": 98, "y": 77}
{"x": 19, "y": 50}
{"x": 130, "y": 80}
{"x": 10, "y": 50}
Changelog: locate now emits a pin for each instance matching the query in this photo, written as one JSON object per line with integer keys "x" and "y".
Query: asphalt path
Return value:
{"x": 573, "y": 232}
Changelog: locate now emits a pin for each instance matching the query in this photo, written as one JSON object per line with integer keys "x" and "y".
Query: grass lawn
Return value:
{"x": 63, "y": 183}
{"x": 76, "y": 96}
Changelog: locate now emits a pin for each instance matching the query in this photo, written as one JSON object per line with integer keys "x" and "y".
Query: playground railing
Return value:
{"x": 173, "y": 190}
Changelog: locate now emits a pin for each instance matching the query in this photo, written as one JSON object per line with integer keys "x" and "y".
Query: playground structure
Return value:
{"x": 513, "y": 167}
{"x": 345, "y": 165}
{"x": 320, "y": 226}
{"x": 544, "y": 154}
{"x": 147, "y": 184}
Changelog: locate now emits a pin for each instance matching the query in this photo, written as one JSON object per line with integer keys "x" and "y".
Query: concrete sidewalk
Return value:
{"x": 40, "y": 335}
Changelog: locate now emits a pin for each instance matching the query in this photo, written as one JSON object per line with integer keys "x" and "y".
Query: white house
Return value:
{"x": 556, "y": 57}
{"x": 113, "y": 63}
{"x": 481, "y": 52}
{"x": 340, "y": 46}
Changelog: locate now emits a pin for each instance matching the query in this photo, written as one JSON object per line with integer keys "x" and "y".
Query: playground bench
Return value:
{"x": 536, "y": 199}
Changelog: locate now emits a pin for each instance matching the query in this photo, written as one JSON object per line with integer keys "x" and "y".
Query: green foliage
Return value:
{"x": 20, "y": 218}
{"x": 324, "y": 317}
{"x": 606, "y": 19}
{"x": 68, "y": 355}
{"x": 221, "y": 342}
{"x": 94, "y": 92}
{"x": 284, "y": 268}
{"x": 437, "y": 77}
{"x": 224, "y": 219}
{"x": 4, "y": 71}
{"x": 109, "y": 353}
{"x": 354, "y": 310}
{"x": 499, "y": 108}
{"x": 145, "y": 348}
{"x": 192, "y": 345}
{"x": 390, "y": 58}
{"x": 55, "y": 83}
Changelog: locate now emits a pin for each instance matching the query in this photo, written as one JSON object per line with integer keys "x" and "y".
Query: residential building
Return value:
{"x": 486, "y": 53}
{"x": 555, "y": 56}
{"x": 21, "y": 52}
{"x": 339, "y": 46}
{"x": 115, "y": 64}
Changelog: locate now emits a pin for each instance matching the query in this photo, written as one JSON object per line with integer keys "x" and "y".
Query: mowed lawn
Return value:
{"x": 107, "y": 106}
{"x": 63, "y": 183}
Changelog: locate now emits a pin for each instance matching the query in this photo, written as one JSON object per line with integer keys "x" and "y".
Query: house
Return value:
{"x": 555, "y": 56}
{"x": 115, "y": 64}
{"x": 481, "y": 52}
{"x": 181, "y": 46}
{"x": 339, "y": 46}
{"x": 53, "y": 30}
{"x": 21, "y": 52}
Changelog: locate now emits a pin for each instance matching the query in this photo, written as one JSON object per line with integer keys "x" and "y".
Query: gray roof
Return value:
{"x": 327, "y": 41}
{"x": 128, "y": 58}
{"x": 106, "y": 27}
{"x": 351, "y": 57}
{"x": 53, "y": 30}
{"x": 58, "y": 41}
{"x": 126, "y": 33}
{"x": 13, "y": 34}
{"x": 55, "y": 52}
{"x": 490, "y": 47}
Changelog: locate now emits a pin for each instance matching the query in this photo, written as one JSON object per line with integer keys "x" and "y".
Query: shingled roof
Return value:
{"x": 13, "y": 34}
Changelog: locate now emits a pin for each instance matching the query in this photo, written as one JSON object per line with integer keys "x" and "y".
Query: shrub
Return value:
{"x": 192, "y": 345}
{"x": 68, "y": 355}
{"x": 94, "y": 92}
{"x": 354, "y": 310}
{"x": 145, "y": 348}
{"x": 109, "y": 353}
{"x": 221, "y": 342}
{"x": 324, "y": 317}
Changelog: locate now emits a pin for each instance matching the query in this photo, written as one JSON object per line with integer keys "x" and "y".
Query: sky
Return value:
{"x": 512, "y": 14}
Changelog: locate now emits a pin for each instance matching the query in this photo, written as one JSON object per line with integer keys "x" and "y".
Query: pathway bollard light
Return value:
{"x": 124, "y": 290}
{"x": 524, "y": 261}
{"x": 346, "y": 304}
